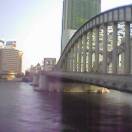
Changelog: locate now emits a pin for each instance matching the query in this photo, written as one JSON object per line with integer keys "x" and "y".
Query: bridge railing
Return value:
{"x": 102, "y": 45}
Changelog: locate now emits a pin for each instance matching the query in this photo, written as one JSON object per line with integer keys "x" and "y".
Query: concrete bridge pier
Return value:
{"x": 35, "y": 80}
{"x": 43, "y": 83}
{"x": 50, "y": 84}
{"x": 55, "y": 85}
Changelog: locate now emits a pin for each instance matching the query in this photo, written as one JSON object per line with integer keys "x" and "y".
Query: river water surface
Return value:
{"x": 94, "y": 112}
{"x": 24, "y": 110}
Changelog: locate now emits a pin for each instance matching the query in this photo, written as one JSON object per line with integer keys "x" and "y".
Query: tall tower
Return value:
{"x": 75, "y": 14}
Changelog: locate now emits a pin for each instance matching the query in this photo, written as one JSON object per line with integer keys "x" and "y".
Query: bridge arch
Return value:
{"x": 102, "y": 45}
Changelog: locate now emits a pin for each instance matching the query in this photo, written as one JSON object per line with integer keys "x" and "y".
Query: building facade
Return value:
{"x": 10, "y": 61}
{"x": 49, "y": 64}
{"x": 11, "y": 44}
{"x": 75, "y": 14}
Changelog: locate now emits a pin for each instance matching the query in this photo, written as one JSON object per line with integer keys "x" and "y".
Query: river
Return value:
{"x": 24, "y": 110}
{"x": 94, "y": 112}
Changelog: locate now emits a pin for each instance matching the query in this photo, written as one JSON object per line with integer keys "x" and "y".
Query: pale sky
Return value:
{"x": 36, "y": 26}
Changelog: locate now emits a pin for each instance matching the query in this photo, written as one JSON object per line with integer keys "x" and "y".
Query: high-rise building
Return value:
{"x": 10, "y": 61}
{"x": 75, "y": 14}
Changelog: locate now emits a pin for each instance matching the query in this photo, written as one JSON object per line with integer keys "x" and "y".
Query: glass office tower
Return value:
{"x": 75, "y": 14}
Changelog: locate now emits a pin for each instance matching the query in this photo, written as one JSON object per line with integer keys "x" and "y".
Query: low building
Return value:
{"x": 2, "y": 44}
{"x": 49, "y": 64}
{"x": 11, "y": 44}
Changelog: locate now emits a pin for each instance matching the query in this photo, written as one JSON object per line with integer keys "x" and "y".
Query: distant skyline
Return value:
{"x": 36, "y": 26}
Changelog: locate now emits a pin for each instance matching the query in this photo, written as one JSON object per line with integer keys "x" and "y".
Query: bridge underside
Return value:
{"x": 117, "y": 82}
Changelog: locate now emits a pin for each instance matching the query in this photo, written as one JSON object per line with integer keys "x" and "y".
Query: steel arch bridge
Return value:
{"x": 102, "y": 45}
{"x": 99, "y": 53}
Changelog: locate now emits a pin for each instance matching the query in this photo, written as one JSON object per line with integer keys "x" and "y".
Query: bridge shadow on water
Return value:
{"x": 93, "y": 112}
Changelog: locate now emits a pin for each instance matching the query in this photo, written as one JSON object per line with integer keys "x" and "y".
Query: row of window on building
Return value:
{"x": 10, "y": 59}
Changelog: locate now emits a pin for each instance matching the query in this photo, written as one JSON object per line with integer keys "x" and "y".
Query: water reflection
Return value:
{"x": 94, "y": 112}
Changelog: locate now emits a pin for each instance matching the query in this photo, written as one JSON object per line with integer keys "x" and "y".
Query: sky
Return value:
{"x": 36, "y": 26}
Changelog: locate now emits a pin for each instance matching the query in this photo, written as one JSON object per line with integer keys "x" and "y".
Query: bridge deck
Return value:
{"x": 119, "y": 82}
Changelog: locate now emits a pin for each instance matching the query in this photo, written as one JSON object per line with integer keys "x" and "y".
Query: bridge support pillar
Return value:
{"x": 105, "y": 49}
{"x": 90, "y": 52}
{"x": 114, "y": 53}
{"x": 71, "y": 58}
{"x": 127, "y": 59}
{"x": 97, "y": 50}
{"x": 67, "y": 63}
{"x": 35, "y": 81}
{"x": 63, "y": 65}
{"x": 49, "y": 84}
{"x": 43, "y": 83}
{"x": 84, "y": 52}
{"x": 79, "y": 54}
{"x": 75, "y": 57}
